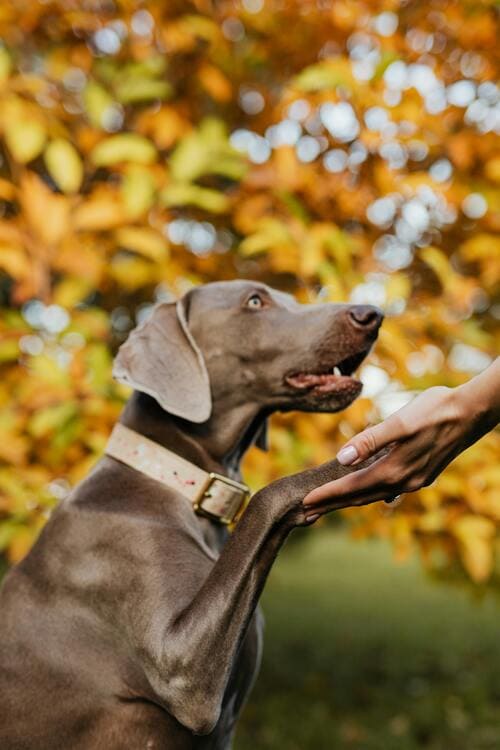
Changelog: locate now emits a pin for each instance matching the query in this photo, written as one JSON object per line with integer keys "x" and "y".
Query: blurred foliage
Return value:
{"x": 340, "y": 150}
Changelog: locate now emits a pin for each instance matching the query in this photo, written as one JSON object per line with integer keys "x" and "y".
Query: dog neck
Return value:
{"x": 216, "y": 445}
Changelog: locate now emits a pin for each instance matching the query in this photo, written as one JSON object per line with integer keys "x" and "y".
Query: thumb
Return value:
{"x": 370, "y": 441}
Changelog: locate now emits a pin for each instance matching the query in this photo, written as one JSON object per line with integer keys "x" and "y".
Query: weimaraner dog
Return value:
{"x": 133, "y": 621}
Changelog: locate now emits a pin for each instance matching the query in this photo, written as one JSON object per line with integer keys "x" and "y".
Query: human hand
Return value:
{"x": 419, "y": 440}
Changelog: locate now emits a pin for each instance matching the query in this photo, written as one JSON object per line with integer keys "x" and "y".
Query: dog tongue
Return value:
{"x": 309, "y": 380}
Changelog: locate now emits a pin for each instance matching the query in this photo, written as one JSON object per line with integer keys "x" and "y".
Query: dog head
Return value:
{"x": 240, "y": 342}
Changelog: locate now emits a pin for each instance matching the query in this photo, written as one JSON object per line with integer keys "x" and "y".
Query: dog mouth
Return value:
{"x": 336, "y": 379}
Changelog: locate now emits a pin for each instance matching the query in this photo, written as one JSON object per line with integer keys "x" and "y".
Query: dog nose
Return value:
{"x": 366, "y": 317}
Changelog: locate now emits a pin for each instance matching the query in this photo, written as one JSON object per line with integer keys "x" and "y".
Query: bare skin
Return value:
{"x": 420, "y": 440}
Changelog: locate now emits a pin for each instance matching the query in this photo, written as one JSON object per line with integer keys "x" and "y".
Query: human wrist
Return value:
{"x": 464, "y": 403}
{"x": 478, "y": 400}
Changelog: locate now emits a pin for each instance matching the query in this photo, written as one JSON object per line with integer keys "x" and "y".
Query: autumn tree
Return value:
{"x": 340, "y": 149}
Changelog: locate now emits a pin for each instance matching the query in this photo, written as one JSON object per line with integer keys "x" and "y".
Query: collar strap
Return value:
{"x": 212, "y": 495}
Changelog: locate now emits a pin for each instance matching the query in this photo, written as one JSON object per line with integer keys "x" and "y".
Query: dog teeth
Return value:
{"x": 336, "y": 371}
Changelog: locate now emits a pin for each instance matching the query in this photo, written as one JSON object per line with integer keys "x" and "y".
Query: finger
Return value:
{"x": 370, "y": 441}
{"x": 352, "y": 485}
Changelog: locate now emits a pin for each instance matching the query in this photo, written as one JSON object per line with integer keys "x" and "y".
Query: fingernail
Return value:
{"x": 310, "y": 519}
{"x": 346, "y": 456}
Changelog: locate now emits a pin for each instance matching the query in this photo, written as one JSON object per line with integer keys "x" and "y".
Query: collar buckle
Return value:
{"x": 221, "y": 499}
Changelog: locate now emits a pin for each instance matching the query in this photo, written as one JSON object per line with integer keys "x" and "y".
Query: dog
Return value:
{"x": 133, "y": 620}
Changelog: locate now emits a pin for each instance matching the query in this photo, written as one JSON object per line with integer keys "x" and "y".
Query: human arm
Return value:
{"x": 420, "y": 440}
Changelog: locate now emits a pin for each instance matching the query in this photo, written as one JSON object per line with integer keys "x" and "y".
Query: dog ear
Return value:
{"x": 261, "y": 437}
{"x": 161, "y": 358}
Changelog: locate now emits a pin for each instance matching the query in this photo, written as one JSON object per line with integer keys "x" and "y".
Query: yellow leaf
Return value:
{"x": 143, "y": 240}
{"x": 468, "y": 526}
{"x": 25, "y": 132}
{"x": 14, "y": 449}
{"x": 215, "y": 83}
{"x": 20, "y": 545}
{"x": 133, "y": 90}
{"x": 88, "y": 264}
{"x": 45, "y": 370}
{"x": 481, "y": 246}
{"x": 47, "y": 421}
{"x": 433, "y": 521}
{"x": 131, "y": 273}
{"x": 402, "y": 537}
{"x": 311, "y": 257}
{"x": 205, "y": 198}
{"x": 5, "y": 64}
{"x": 101, "y": 211}
{"x": 71, "y": 290}
{"x": 64, "y": 165}
{"x": 99, "y": 105}
{"x": 98, "y": 362}
{"x": 439, "y": 263}
{"x": 138, "y": 190}
{"x": 206, "y": 151}
{"x": 165, "y": 126}
{"x": 181, "y": 35}
{"x": 327, "y": 74}
{"x": 7, "y": 190}
{"x": 9, "y": 350}
{"x": 475, "y": 535}
{"x": 46, "y": 213}
{"x": 189, "y": 158}
{"x": 398, "y": 286}
{"x": 270, "y": 234}
{"x": 492, "y": 169}
{"x": 122, "y": 148}
{"x": 14, "y": 261}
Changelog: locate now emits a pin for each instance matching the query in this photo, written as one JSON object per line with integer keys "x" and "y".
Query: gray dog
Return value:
{"x": 133, "y": 621}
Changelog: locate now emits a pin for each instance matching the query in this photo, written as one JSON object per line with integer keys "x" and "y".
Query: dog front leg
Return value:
{"x": 201, "y": 644}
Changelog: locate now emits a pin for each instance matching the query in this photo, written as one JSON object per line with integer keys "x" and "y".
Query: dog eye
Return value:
{"x": 255, "y": 302}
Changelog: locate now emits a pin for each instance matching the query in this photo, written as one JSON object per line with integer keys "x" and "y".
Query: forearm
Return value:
{"x": 478, "y": 400}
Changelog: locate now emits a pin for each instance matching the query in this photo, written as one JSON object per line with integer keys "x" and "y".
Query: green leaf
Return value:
{"x": 138, "y": 190}
{"x": 135, "y": 81}
{"x": 387, "y": 57}
{"x": 201, "y": 26}
{"x": 98, "y": 360}
{"x": 325, "y": 75}
{"x": 206, "y": 151}
{"x": 270, "y": 234}
{"x": 64, "y": 165}
{"x": 99, "y": 104}
{"x": 189, "y": 160}
{"x": 142, "y": 90}
{"x": 295, "y": 206}
{"x": 71, "y": 290}
{"x": 122, "y": 148}
{"x": 52, "y": 418}
{"x": 205, "y": 198}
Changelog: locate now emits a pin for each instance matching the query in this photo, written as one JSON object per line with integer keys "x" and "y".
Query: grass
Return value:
{"x": 364, "y": 653}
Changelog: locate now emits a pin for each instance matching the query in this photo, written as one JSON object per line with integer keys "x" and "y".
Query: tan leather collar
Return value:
{"x": 212, "y": 495}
